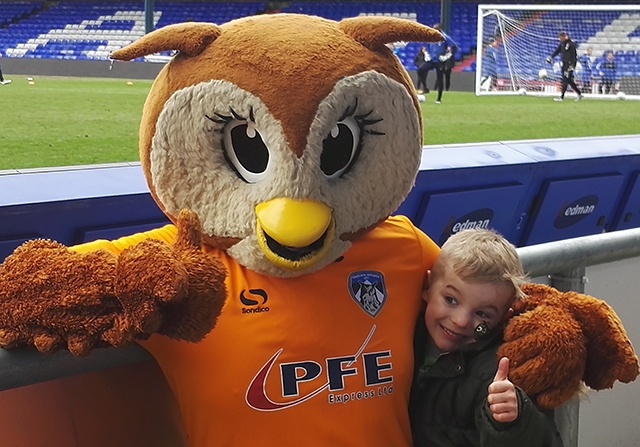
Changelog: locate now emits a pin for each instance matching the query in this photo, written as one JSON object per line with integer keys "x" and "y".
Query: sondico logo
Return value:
{"x": 254, "y": 306}
{"x": 374, "y": 373}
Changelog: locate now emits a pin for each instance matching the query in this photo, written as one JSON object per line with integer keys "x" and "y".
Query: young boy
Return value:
{"x": 461, "y": 396}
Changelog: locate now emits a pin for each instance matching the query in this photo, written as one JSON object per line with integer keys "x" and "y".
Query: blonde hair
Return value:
{"x": 480, "y": 255}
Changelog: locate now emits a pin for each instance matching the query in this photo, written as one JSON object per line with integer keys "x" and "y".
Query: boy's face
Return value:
{"x": 455, "y": 307}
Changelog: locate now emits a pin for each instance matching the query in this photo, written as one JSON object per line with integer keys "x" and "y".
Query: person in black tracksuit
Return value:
{"x": 447, "y": 68}
{"x": 438, "y": 56}
{"x": 418, "y": 60}
{"x": 3, "y": 81}
{"x": 569, "y": 60}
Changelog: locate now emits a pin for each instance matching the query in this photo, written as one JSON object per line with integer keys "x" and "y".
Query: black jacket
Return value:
{"x": 569, "y": 53}
{"x": 448, "y": 405}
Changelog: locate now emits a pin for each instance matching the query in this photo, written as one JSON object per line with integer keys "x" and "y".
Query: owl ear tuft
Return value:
{"x": 189, "y": 38}
{"x": 374, "y": 32}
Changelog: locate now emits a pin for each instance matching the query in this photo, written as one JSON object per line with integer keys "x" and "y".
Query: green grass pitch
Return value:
{"x": 58, "y": 121}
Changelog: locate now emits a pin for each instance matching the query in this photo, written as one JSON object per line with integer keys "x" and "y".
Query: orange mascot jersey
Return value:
{"x": 317, "y": 360}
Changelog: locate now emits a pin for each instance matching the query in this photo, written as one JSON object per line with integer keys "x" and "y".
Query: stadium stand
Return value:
{"x": 86, "y": 30}
{"x": 90, "y": 30}
{"x": 12, "y": 12}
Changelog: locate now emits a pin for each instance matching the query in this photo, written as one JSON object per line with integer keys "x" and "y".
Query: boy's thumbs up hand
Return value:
{"x": 502, "y": 398}
{"x": 503, "y": 370}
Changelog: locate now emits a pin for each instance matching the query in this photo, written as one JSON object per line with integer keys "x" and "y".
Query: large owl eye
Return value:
{"x": 340, "y": 148}
{"x": 245, "y": 151}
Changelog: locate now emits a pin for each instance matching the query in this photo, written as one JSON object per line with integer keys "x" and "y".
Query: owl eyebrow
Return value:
{"x": 362, "y": 118}
{"x": 224, "y": 119}
{"x": 350, "y": 111}
{"x": 236, "y": 115}
{"x": 366, "y": 122}
{"x": 221, "y": 119}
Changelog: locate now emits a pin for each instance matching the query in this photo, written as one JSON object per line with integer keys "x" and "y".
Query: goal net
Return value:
{"x": 514, "y": 42}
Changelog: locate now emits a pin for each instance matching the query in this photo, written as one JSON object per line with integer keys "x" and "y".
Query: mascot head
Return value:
{"x": 289, "y": 135}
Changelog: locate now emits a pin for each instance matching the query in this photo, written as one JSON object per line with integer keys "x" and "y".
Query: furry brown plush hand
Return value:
{"x": 196, "y": 314}
{"x": 52, "y": 296}
{"x": 559, "y": 339}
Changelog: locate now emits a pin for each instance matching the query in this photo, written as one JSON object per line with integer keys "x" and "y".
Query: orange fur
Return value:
{"x": 587, "y": 342}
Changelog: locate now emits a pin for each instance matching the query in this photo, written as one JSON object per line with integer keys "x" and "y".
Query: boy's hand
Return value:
{"x": 502, "y": 398}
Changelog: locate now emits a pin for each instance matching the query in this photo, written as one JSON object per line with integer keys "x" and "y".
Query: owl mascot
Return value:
{"x": 279, "y": 146}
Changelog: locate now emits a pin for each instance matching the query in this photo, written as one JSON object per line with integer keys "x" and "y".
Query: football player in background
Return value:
{"x": 569, "y": 60}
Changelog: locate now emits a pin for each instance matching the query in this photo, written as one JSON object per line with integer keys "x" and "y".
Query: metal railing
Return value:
{"x": 563, "y": 261}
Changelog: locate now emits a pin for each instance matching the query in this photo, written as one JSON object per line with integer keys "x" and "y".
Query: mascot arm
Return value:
{"x": 557, "y": 340}
{"x": 52, "y": 296}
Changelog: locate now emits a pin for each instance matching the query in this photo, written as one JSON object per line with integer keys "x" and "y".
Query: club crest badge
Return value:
{"x": 367, "y": 288}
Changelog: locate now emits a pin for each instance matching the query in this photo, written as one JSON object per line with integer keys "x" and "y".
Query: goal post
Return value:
{"x": 514, "y": 41}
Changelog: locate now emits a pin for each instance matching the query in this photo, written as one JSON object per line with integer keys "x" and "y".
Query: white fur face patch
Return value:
{"x": 191, "y": 168}
{"x": 389, "y": 156}
{"x": 219, "y": 152}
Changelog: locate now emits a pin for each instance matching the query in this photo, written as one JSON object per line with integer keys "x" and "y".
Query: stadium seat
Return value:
{"x": 114, "y": 24}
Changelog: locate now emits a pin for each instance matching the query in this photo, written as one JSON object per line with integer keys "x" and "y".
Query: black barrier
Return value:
{"x": 22, "y": 367}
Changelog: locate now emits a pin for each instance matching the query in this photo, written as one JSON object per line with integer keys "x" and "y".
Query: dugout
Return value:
{"x": 580, "y": 186}
{"x": 75, "y": 205}
{"x": 471, "y": 185}
{"x": 530, "y": 191}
